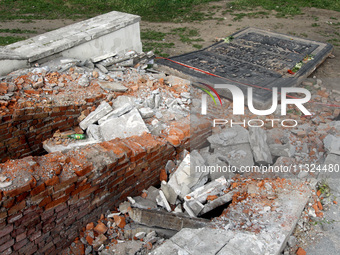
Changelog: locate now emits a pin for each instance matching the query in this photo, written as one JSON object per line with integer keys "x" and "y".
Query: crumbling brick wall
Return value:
{"x": 53, "y": 196}
{"x": 26, "y": 126}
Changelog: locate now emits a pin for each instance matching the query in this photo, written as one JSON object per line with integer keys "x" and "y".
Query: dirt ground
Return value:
{"x": 315, "y": 24}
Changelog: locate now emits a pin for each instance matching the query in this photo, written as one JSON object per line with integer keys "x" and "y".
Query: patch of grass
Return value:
{"x": 4, "y": 40}
{"x": 240, "y": 16}
{"x": 186, "y": 35}
{"x": 151, "y": 10}
{"x": 152, "y": 35}
{"x": 303, "y": 35}
{"x": 17, "y": 31}
{"x": 157, "y": 47}
{"x": 284, "y": 8}
{"x": 333, "y": 18}
{"x": 315, "y": 25}
{"x": 197, "y": 46}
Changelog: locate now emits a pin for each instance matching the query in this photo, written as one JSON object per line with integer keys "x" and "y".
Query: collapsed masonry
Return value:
{"x": 140, "y": 123}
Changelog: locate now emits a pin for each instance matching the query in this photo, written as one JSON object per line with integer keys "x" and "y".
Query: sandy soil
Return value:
{"x": 222, "y": 25}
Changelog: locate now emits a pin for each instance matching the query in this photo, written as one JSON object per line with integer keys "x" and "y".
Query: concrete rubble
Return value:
{"x": 134, "y": 103}
{"x": 197, "y": 207}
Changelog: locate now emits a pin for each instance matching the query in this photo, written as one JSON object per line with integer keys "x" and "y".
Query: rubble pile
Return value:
{"x": 114, "y": 233}
{"x": 136, "y": 99}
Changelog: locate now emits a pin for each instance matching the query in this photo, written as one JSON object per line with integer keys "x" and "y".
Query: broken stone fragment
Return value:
{"x": 93, "y": 131}
{"x": 169, "y": 192}
{"x": 98, "y": 241}
{"x": 282, "y": 150}
{"x": 116, "y": 113}
{"x": 124, "y": 207}
{"x": 142, "y": 203}
{"x": 238, "y": 156}
{"x": 127, "y": 125}
{"x": 195, "y": 206}
{"x": 185, "y": 178}
{"x": 162, "y": 201}
{"x": 102, "y": 68}
{"x": 103, "y": 57}
{"x": 83, "y": 81}
{"x": 152, "y": 194}
{"x": 231, "y": 136}
{"x": 103, "y": 109}
{"x": 100, "y": 228}
{"x": 146, "y": 112}
{"x": 215, "y": 187}
{"x": 112, "y": 86}
{"x": 167, "y": 220}
{"x": 259, "y": 146}
{"x": 332, "y": 144}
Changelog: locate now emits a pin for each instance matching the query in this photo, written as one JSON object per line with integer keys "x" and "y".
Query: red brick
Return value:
{"x": 19, "y": 190}
{"x": 300, "y": 251}
{"x": 17, "y": 207}
{"x": 45, "y": 201}
{"x": 14, "y": 217}
{"x": 54, "y": 180}
{"x": 81, "y": 188}
{"x": 8, "y": 202}
{"x": 5, "y": 239}
{"x": 20, "y": 237}
{"x": 35, "y": 235}
{"x": 6, "y": 245}
{"x": 83, "y": 171}
{"x": 56, "y": 202}
{"x": 173, "y": 140}
{"x": 38, "y": 189}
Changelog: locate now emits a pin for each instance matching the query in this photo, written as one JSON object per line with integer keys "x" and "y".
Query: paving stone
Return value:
{"x": 124, "y": 126}
{"x": 116, "y": 113}
{"x": 194, "y": 241}
{"x": 103, "y": 109}
{"x": 244, "y": 243}
{"x": 112, "y": 86}
{"x": 259, "y": 146}
{"x": 93, "y": 131}
{"x": 169, "y": 248}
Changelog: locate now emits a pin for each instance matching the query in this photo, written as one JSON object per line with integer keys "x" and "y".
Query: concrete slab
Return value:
{"x": 111, "y": 32}
{"x": 124, "y": 126}
{"x": 103, "y": 109}
{"x": 162, "y": 219}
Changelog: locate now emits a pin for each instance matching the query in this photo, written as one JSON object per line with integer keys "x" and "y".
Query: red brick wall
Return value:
{"x": 53, "y": 196}
{"x": 25, "y": 127}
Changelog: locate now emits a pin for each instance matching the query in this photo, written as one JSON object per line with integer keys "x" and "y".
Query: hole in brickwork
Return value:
{"x": 215, "y": 212}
